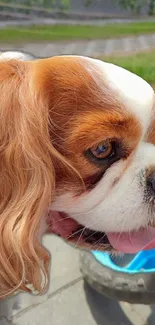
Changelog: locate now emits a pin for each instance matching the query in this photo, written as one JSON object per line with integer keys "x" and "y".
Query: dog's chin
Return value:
{"x": 77, "y": 234}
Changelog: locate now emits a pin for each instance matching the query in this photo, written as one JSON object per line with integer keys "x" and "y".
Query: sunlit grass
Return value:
{"x": 143, "y": 64}
{"x": 70, "y": 32}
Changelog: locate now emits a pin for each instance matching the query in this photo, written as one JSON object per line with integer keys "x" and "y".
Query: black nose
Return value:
{"x": 151, "y": 181}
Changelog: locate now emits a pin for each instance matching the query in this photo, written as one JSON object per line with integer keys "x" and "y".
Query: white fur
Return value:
{"x": 134, "y": 92}
{"x": 9, "y": 55}
{"x": 118, "y": 207}
{"x": 114, "y": 208}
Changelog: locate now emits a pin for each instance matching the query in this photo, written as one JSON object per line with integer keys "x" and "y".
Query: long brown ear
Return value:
{"x": 26, "y": 180}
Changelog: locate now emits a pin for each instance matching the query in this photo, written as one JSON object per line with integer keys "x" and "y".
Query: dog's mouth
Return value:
{"x": 126, "y": 242}
{"x": 69, "y": 229}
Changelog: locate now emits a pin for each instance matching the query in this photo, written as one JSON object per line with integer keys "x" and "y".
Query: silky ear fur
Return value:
{"x": 27, "y": 181}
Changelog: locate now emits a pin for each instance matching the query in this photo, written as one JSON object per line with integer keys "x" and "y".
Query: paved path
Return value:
{"x": 70, "y": 301}
{"x": 87, "y": 48}
{"x": 52, "y": 21}
{"x": 26, "y": 20}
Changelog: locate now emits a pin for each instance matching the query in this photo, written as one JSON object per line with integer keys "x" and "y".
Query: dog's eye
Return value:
{"x": 106, "y": 153}
{"x": 103, "y": 150}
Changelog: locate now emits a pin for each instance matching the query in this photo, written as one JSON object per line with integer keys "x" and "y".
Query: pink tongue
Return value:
{"x": 60, "y": 224}
{"x": 133, "y": 242}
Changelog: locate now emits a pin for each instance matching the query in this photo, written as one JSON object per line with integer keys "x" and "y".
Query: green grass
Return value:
{"x": 61, "y": 32}
{"x": 143, "y": 64}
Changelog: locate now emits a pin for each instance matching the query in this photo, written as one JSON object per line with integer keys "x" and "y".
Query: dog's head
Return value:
{"x": 77, "y": 158}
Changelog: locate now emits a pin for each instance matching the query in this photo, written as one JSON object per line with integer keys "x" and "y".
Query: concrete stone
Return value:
{"x": 65, "y": 262}
{"x": 70, "y": 301}
{"x": 64, "y": 270}
{"x": 3, "y": 321}
{"x": 52, "y": 21}
{"x": 79, "y": 304}
{"x": 67, "y": 307}
{"x": 8, "y": 307}
{"x": 86, "y": 47}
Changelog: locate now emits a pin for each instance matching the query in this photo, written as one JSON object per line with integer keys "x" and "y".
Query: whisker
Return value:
{"x": 148, "y": 231}
{"x": 80, "y": 237}
{"x": 64, "y": 218}
{"x": 74, "y": 233}
{"x": 87, "y": 226}
{"x": 99, "y": 240}
{"x": 118, "y": 238}
{"x": 86, "y": 238}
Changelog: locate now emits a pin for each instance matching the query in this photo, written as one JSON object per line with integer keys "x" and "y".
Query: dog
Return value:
{"x": 77, "y": 159}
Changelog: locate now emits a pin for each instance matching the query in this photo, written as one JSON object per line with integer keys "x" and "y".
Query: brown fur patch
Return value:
{"x": 82, "y": 114}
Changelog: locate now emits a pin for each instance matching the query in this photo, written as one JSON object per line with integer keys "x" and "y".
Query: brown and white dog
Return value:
{"x": 77, "y": 158}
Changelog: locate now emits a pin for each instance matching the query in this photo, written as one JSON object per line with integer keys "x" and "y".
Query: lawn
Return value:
{"x": 143, "y": 64}
{"x": 69, "y": 32}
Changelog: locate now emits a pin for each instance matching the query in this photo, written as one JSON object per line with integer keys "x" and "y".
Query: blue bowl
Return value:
{"x": 143, "y": 262}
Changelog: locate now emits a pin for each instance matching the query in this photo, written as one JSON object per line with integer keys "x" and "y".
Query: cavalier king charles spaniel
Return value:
{"x": 77, "y": 158}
